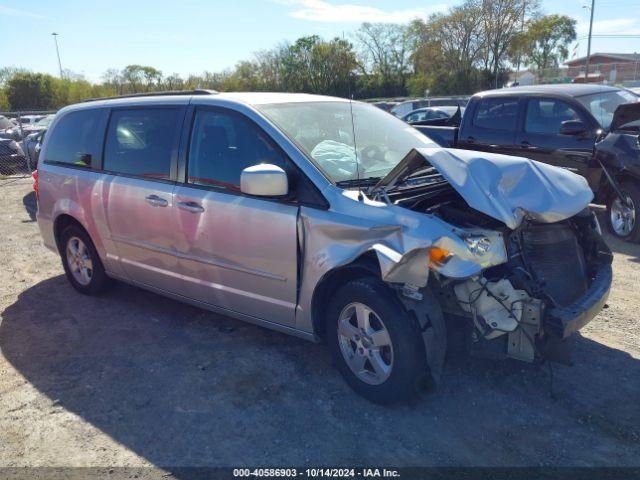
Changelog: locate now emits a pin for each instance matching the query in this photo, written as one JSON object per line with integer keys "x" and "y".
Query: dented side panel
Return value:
{"x": 399, "y": 238}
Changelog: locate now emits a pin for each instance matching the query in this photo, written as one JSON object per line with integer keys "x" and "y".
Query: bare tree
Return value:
{"x": 386, "y": 51}
{"x": 113, "y": 79}
{"x": 501, "y": 22}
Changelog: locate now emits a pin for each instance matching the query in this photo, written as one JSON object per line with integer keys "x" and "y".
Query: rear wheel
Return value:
{"x": 81, "y": 261}
{"x": 376, "y": 345}
{"x": 624, "y": 214}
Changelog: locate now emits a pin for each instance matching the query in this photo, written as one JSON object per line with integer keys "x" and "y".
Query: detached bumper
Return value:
{"x": 563, "y": 321}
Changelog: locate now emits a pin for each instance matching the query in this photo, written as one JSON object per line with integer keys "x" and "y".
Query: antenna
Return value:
{"x": 355, "y": 146}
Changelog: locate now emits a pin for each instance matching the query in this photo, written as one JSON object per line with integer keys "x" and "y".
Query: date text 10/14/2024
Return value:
{"x": 317, "y": 472}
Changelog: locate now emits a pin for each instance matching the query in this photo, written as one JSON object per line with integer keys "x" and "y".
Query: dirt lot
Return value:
{"x": 134, "y": 379}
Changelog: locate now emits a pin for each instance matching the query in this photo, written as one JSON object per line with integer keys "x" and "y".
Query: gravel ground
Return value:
{"x": 134, "y": 379}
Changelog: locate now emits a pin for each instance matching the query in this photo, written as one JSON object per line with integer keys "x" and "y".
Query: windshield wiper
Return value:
{"x": 421, "y": 178}
{"x": 358, "y": 182}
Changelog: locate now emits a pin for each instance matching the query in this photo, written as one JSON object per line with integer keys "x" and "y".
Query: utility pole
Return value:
{"x": 55, "y": 40}
{"x": 586, "y": 71}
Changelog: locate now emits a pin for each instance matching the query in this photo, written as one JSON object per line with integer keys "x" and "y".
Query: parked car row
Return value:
{"x": 401, "y": 107}
{"x": 592, "y": 130}
{"x": 404, "y": 108}
{"x": 20, "y": 141}
{"x": 21, "y": 127}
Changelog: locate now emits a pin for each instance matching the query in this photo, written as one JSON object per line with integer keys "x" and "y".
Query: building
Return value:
{"x": 606, "y": 67}
{"x": 523, "y": 77}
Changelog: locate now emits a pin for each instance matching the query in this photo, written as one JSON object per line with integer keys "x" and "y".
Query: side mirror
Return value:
{"x": 572, "y": 127}
{"x": 264, "y": 181}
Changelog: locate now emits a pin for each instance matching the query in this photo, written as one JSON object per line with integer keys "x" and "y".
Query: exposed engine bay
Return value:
{"x": 511, "y": 309}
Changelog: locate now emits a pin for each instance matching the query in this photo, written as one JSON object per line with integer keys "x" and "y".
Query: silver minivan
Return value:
{"x": 326, "y": 219}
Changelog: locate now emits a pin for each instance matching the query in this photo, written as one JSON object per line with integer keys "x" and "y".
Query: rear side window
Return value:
{"x": 225, "y": 143}
{"x": 74, "y": 140}
{"x": 141, "y": 142}
{"x": 496, "y": 113}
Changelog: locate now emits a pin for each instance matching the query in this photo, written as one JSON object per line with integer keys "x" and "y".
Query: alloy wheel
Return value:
{"x": 623, "y": 216}
{"x": 365, "y": 343}
{"x": 79, "y": 261}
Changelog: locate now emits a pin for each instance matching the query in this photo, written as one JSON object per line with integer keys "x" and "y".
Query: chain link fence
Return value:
{"x": 21, "y": 134}
{"x": 623, "y": 74}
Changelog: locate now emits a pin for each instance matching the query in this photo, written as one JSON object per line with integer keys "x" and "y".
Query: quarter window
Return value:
{"x": 225, "y": 143}
{"x": 496, "y": 113}
{"x": 141, "y": 142}
{"x": 74, "y": 139}
{"x": 546, "y": 115}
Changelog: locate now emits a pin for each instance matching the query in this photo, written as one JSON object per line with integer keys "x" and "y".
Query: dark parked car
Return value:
{"x": 432, "y": 113}
{"x": 31, "y": 146}
{"x": 12, "y": 158}
{"x": 386, "y": 106}
{"x": 619, "y": 154}
{"x": 6, "y": 127}
{"x": 562, "y": 125}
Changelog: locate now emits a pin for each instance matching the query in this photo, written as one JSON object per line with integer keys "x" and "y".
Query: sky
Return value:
{"x": 191, "y": 36}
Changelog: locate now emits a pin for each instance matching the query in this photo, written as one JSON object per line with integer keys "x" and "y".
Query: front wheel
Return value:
{"x": 375, "y": 343}
{"x": 624, "y": 214}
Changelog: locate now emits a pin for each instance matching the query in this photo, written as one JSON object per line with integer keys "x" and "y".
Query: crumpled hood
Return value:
{"x": 504, "y": 187}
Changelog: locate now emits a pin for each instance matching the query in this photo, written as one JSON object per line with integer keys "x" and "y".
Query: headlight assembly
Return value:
{"x": 478, "y": 244}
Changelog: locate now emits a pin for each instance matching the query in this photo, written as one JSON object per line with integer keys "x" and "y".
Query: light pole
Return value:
{"x": 55, "y": 40}
{"x": 586, "y": 72}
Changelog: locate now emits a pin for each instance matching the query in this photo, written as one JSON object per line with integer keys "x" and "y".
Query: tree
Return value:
{"x": 270, "y": 65}
{"x": 112, "y": 78}
{"x": 173, "y": 82}
{"x": 6, "y": 73}
{"x": 501, "y": 22}
{"x": 31, "y": 91}
{"x": 133, "y": 78}
{"x": 4, "y": 101}
{"x": 385, "y": 51}
{"x": 316, "y": 66}
{"x": 544, "y": 44}
{"x": 152, "y": 77}
{"x": 447, "y": 49}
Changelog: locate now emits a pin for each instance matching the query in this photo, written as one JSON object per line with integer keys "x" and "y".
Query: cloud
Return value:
{"x": 614, "y": 26}
{"x": 14, "y": 12}
{"x": 321, "y": 11}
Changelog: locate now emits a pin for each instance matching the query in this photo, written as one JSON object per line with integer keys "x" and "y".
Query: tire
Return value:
{"x": 622, "y": 221}
{"x": 75, "y": 237}
{"x": 404, "y": 356}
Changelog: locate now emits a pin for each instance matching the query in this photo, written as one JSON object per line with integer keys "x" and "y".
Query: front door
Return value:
{"x": 140, "y": 159}
{"x": 236, "y": 252}
{"x": 540, "y": 138}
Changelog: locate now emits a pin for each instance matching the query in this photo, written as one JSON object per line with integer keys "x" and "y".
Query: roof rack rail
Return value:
{"x": 197, "y": 91}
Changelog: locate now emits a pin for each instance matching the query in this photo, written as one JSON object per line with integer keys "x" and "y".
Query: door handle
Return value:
{"x": 526, "y": 145}
{"x": 156, "y": 201}
{"x": 471, "y": 140}
{"x": 190, "y": 206}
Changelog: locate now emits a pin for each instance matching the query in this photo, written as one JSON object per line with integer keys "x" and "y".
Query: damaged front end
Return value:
{"x": 556, "y": 279}
{"x": 524, "y": 265}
